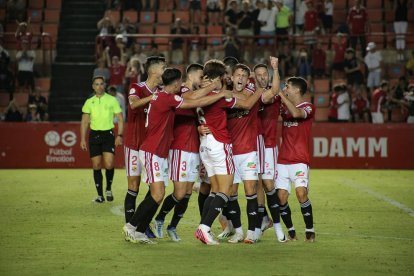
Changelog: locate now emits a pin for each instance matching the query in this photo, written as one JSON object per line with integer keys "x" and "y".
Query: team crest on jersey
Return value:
{"x": 183, "y": 174}
{"x": 157, "y": 174}
{"x": 300, "y": 173}
{"x": 184, "y": 89}
{"x": 131, "y": 91}
{"x": 134, "y": 168}
{"x": 251, "y": 86}
{"x": 177, "y": 98}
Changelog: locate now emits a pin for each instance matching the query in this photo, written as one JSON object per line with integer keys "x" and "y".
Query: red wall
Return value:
{"x": 56, "y": 145}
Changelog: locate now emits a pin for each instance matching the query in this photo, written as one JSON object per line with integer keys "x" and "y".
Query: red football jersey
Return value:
{"x": 269, "y": 118}
{"x": 311, "y": 20}
{"x": 135, "y": 128}
{"x": 357, "y": 19}
{"x": 117, "y": 74}
{"x": 295, "y": 147}
{"x": 160, "y": 123}
{"x": 377, "y": 100}
{"x": 333, "y": 106}
{"x": 185, "y": 128}
{"x": 214, "y": 117}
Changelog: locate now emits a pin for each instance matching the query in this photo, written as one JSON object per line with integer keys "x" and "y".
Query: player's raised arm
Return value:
{"x": 268, "y": 95}
{"x": 292, "y": 95}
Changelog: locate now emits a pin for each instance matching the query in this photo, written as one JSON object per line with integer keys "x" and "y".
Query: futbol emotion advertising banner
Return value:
{"x": 347, "y": 146}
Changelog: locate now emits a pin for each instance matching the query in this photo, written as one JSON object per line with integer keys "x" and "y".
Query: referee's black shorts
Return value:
{"x": 101, "y": 141}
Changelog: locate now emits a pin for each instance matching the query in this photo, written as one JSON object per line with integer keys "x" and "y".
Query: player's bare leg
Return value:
{"x": 306, "y": 209}
{"x": 285, "y": 213}
{"x": 108, "y": 162}
{"x": 98, "y": 178}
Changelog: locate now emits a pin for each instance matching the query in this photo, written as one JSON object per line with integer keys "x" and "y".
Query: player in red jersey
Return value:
{"x": 184, "y": 158}
{"x": 294, "y": 156}
{"x": 139, "y": 97}
{"x": 154, "y": 150}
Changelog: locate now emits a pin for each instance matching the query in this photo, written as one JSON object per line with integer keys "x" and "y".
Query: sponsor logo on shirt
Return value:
{"x": 177, "y": 98}
{"x": 131, "y": 91}
{"x": 290, "y": 124}
{"x": 300, "y": 173}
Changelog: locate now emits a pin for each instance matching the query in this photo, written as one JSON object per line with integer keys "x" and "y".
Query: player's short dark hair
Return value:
{"x": 193, "y": 67}
{"x": 243, "y": 67}
{"x": 214, "y": 68}
{"x": 384, "y": 83}
{"x": 230, "y": 61}
{"x": 170, "y": 75}
{"x": 97, "y": 78}
{"x": 340, "y": 87}
{"x": 152, "y": 60}
{"x": 299, "y": 83}
{"x": 260, "y": 65}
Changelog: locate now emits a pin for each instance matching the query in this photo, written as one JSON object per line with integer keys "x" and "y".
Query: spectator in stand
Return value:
{"x": 358, "y": 25}
{"x": 283, "y": 22}
{"x": 16, "y": 10}
{"x": 327, "y": 18}
{"x": 353, "y": 73}
{"x": 177, "y": 42}
{"x": 195, "y": 48}
{"x": 303, "y": 65}
{"x": 408, "y": 102}
{"x": 120, "y": 98}
{"x": 267, "y": 18}
{"x": 300, "y": 11}
{"x": 373, "y": 61}
{"x": 256, "y": 23}
{"x": 40, "y": 102}
{"x": 360, "y": 108}
{"x": 339, "y": 47}
{"x": 398, "y": 91}
{"x": 195, "y": 11}
{"x": 333, "y": 104}
{"x": 410, "y": 65}
{"x": 213, "y": 11}
{"x": 106, "y": 27}
{"x": 286, "y": 62}
{"x": 400, "y": 25}
{"x": 245, "y": 25}
{"x": 4, "y": 54}
{"x": 6, "y": 77}
{"x": 312, "y": 24}
{"x": 25, "y": 62}
{"x": 101, "y": 70}
{"x": 23, "y": 34}
{"x": 137, "y": 53}
{"x": 133, "y": 73}
{"x": 117, "y": 70}
{"x": 231, "y": 44}
{"x": 126, "y": 27}
{"x": 13, "y": 113}
{"x": 115, "y": 47}
{"x": 378, "y": 100}
{"x": 319, "y": 60}
{"x": 344, "y": 104}
{"x": 231, "y": 15}
{"x": 33, "y": 115}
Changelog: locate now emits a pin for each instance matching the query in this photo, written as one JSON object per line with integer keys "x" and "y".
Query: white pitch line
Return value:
{"x": 118, "y": 210}
{"x": 365, "y": 236}
{"x": 361, "y": 188}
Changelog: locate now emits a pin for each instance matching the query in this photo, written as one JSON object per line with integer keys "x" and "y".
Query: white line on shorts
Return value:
{"x": 361, "y": 188}
{"x": 365, "y": 236}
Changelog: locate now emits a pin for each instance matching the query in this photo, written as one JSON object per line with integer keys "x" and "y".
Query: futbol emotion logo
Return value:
{"x": 68, "y": 138}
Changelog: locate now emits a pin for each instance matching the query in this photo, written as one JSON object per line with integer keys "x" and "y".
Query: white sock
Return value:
{"x": 279, "y": 231}
{"x": 239, "y": 230}
{"x": 204, "y": 228}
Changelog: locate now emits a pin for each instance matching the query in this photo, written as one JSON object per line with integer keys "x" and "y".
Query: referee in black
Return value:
{"x": 99, "y": 111}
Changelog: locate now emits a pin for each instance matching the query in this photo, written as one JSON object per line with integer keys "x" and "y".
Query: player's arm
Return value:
{"x": 83, "y": 129}
{"x": 203, "y": 91}
{"x": 119, "y": 136}
{"x": 135, "y": 102}
{"x": 296, "y": 112}
{"x": 269, "y": 95}
{"x": 207, "y": 100}
{"x": 249, "y": 102}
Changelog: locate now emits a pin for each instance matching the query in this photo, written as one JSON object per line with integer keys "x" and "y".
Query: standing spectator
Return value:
{"x": 400, "y": 25}
{"x": 303, "y": 65}
{"x": 101, "y": 70}
{"x": 25, "y": 62}
{"x": 245, "y": 25}
{"x": 409, "y": 103}
{"x": 283, "y": 21}
{"x": 333, "y": 104}
{"x": 117, "y": 70}
{"x": 378, "y": 98}
{"x": 137, "y": 53}
{"x": 13, "y": 113}
{"x": 121, "y": 100}
{"x": 213, "y": 11}
{"x": 105, "y": 27}
{"x": 358, "y": 25}
{"x": 256, "y": 23}
{"x": 231, "y": 15}
{"x": 126, "y": 27}
{"x": 23, "y": 34}
{"x": 286, "y": 62}
{"x": 352, "y": 67}
{"x": 373, "y": 61}
{"x": 360, "y": 108}
{"x": 312, "y": 24}
{"x": 300, "y": 10}
{"x": 339, "y": 47}
{"x": 328, "y": 16}
{"x": 267, "y": 18}
{"x": 177, "y": 42}
{"x": 134, "y": 72}
{"x": 231, "y": 44}
{"x": 319, "y": 60}
{"x": 41, "y": 104}
{"x": 195, "y": 11}
{"x": 344, "y": 105}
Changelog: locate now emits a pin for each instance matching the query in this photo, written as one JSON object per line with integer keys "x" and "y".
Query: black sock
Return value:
{"x": 265, "y": 212}
{"x": 142, "y": 227}
{"x": 97, "y": 176}
{"x": 286, "y": 215}
{"x": 179, "y": 210}
{"x": 206, "y": 206}
{"x": 251, "y": 210}
{"x": 169, "y": 203}
{"x": 129, "y": 204}
{"x": 109, "y": 174}
{"x": 233, "y": 210}
{"x": 201, "y": 199}
{"x": 260, "y": 216}
{"x": 306, "y": 209}
{"x": 144, "y": 210}
{"x": 273, "y": 204}
{"x": 216, "y": 207}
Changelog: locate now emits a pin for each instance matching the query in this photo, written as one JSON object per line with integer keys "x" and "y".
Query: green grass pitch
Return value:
{"x": 364, "y": 223}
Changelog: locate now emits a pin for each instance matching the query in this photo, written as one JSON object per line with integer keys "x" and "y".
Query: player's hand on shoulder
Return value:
{"x": 227, "y": 94}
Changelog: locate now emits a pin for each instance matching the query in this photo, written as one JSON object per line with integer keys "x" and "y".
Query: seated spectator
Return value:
{"x": 344, "y": 105}
{"x": 231, "y": 44}
{"x": 117, "y": 70}
{"x": 360, "y": 108}
{"x": 120, "y": 98}
{"x": 378, "y": 100}
{"x": 16, "y": 10}
{"x": 23, "y": 34}
{"x": 41, "y": 104}
{"x": 213, "y": 11}
{"x": 12, "y": 113}
{"x": 319, "y": 60}
{"x": 303, "y": 65}
{"x": 373, "y": 61}
{"x": 177, "y": 42}
{"x": 339, "y": 47}
{"x": 33, "y": 115}
{"x": 352, "y": 67}
{"x": 25, "y": 62}
{"x": 333, "y": 104}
